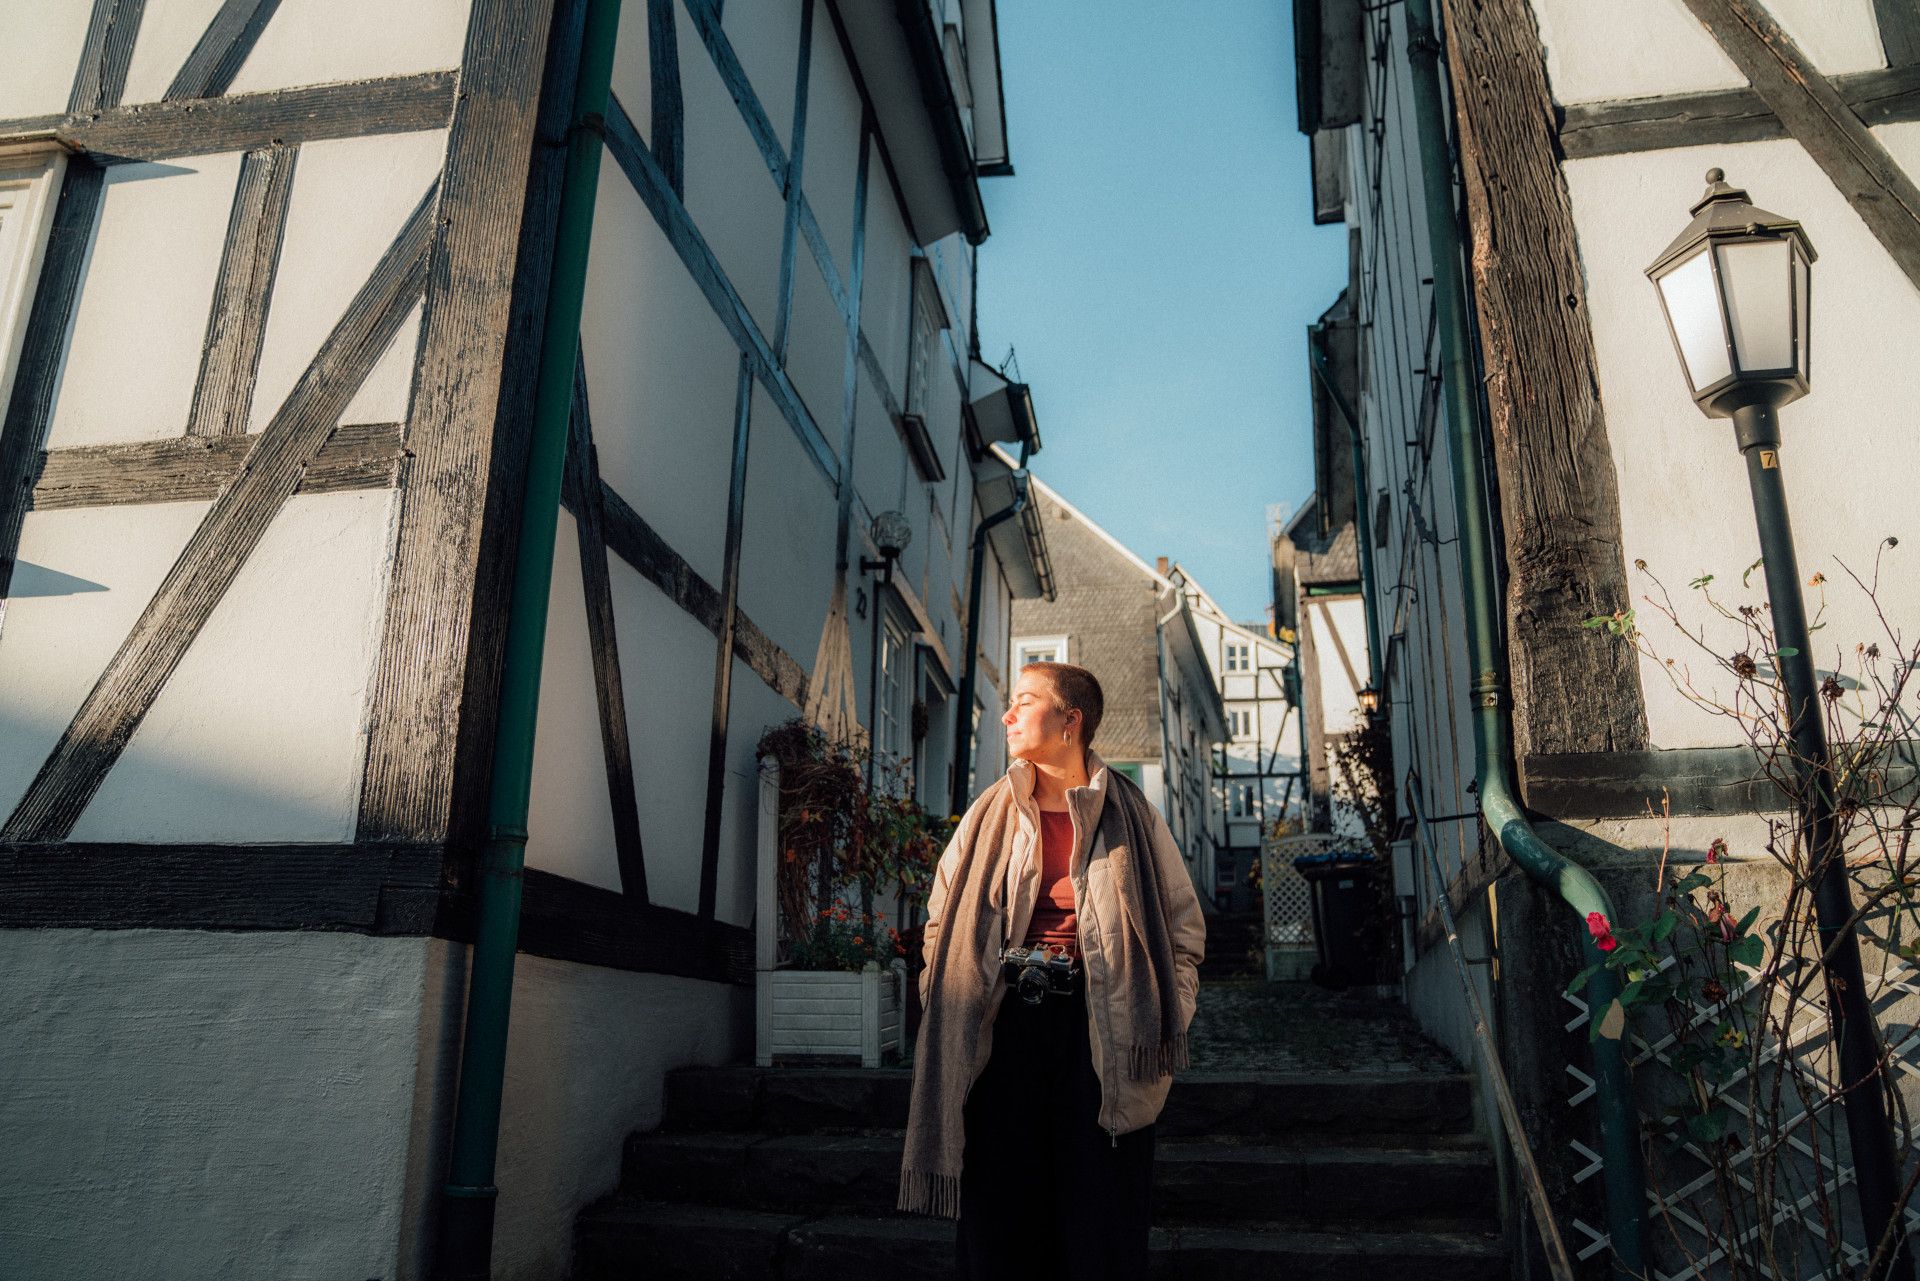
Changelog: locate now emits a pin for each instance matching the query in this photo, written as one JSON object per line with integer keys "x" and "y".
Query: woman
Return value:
{"x": 1051, "y": 1103}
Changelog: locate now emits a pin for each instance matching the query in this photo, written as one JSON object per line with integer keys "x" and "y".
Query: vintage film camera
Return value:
{"x": 1033, "y": 972}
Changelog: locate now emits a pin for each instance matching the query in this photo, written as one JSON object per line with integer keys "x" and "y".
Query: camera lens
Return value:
{"x": 1031, "y": 985}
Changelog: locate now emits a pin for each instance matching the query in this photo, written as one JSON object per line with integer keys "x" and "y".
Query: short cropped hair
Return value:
{"x": 1075, "y": 689}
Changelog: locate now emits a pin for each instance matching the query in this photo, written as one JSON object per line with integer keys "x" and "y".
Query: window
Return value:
{"x": 1130, "y": 768}
{"x": 1243, "y": 800}
{"x": 1240, "y": 723}
{"x": 1239, "y": 657}
{"x": 1039, "y": 649}
{"x": 29, "y": 182}
{"x": 893, "y": 663}
{"x": 929, "y": 320}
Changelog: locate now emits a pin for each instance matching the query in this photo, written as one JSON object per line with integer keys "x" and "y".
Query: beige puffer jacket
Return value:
{"x": 1125, "y": 1104}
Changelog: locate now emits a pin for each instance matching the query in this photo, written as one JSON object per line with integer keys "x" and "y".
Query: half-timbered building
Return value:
{"x": 272, "y": 275}
{"x": 1256, "y": 768}
{"x": 1569, "y": 142}
{"x": 1133, "y": 627}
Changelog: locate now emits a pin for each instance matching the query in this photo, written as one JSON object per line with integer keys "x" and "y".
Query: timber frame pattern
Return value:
{"x": 476, "y": 254}
{"x": 1583, "y": 744}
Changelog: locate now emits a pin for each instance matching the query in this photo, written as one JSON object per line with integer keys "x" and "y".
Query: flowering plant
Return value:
{"x": 844, "y": 939}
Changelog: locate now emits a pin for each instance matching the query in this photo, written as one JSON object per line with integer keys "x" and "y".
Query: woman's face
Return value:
{"x": 1037, "y": 730}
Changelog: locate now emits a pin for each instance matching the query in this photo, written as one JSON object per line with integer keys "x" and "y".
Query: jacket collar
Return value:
{"x": 1087, "y": 801}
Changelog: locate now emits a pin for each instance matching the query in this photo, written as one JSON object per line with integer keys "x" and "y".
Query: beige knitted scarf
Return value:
{"x": 965, "y": 974}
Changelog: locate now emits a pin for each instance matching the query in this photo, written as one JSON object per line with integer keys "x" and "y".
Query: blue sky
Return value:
{"x": 1155, "y": 264}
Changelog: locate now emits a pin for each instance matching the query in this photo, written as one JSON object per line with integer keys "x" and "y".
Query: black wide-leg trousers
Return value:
{"x": 1044, "y": 1191}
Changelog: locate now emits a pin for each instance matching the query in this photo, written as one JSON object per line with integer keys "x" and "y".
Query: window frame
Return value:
{"x": 37, "y": 170}
{"x": 1023, "y": 644}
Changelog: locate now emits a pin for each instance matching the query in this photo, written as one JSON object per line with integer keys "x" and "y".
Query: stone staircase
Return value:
{"x": 788, "y": 1174}
{"x": 1235, "y": 947}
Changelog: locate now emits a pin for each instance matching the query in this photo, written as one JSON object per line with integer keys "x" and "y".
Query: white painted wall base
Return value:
{"x": 824, "y": 1014}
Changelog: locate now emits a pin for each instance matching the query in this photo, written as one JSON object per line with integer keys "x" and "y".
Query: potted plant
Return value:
{"x": 831, "y": 968}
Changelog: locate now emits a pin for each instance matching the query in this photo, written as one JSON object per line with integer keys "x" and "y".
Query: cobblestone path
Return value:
{"x": 1251, "y": 1026}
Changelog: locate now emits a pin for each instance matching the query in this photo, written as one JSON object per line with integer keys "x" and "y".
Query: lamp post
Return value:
{"x": 1735, "y": 289}
{"x": 891, "y": 533}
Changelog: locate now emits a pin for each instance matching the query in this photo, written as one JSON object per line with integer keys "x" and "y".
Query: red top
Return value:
{"x": 1053, "y": 920}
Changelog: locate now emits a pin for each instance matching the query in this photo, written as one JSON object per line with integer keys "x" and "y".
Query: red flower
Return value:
{"x": 1717, "y": 850}
{"x": 1601, "y": 931}
{"x": 857, "y": 940}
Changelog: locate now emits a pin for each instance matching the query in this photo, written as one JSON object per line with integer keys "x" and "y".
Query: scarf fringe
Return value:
{"x": 929, "y": 1192}
{"x": 1153, "y": 1061}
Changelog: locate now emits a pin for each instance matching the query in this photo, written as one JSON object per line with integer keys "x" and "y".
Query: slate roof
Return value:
{"x": 1337, "y": 561}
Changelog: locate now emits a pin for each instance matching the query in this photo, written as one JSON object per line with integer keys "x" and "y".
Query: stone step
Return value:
{"x": 1195, "y": 1181}
{"x": 629, "y": 1241}
{"x": 1346, "y": 1106}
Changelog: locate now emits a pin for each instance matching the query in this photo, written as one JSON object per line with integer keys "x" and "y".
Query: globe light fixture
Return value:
{"x": 1735, "y": 287}
{"x": 892, "y": 533}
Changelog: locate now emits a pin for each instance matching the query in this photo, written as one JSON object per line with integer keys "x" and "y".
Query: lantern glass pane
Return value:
{"x": 1693, "y": 309}
{"x": 1756, "y": 275}
{"x": 1803, "y": 305}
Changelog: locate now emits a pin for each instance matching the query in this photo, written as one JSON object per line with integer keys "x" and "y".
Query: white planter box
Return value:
{"x": 812, "y": 1013}
{"x": 821, "y": 1014}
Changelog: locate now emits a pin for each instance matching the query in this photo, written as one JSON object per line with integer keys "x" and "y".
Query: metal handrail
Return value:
{"x": 1557, "y": 1259}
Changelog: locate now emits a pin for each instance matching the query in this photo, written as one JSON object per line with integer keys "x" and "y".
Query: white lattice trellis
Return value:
{"x": 1688, "y": 1173}
{"x": 1289, "y": 900}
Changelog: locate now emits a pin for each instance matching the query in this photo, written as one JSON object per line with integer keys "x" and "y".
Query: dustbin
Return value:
{"x": 1345, "y": 895}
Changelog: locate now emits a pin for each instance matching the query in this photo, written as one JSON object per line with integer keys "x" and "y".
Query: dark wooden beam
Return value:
{"x": 636, "y": 542}
{"x": 795, "y": 196}
{"x": 1886, "y": 96}
{"x": 242, "y": 122}
{"x": 184, "y": 468}
{"x": 237, "y": 321}
{"x": 582, "y": 491}
{"x": 1899, "y": 22}
{"x": 723, "y": 649}
{"x": 226, "y": 536}
{"x": 31, "y": 407}
{"x": 1559, "y": 501}
{"x": 668, "y": 108}
{"x": 221, "y": 50}
{"x": 106, "y": 54}
{"x": 571, "y": 921}
{"x": 644, "y": 172}
{"x": 90, "y": 885}
{"x": 1821, "y": 121}
{"x": 435, "y": 692}
{"x": 1694, "y": 781}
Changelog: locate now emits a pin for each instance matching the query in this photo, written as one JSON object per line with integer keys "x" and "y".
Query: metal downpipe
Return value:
{"x": 469, "y": 1196}
{"x": 1625, "y": 1179}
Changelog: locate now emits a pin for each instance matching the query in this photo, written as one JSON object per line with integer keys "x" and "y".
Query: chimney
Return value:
{"x": 1160, "y": 563}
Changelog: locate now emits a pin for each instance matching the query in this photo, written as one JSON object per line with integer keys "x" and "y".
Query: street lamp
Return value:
{"x": 1369, "y": 701}
{"x": 1735, "y": 289}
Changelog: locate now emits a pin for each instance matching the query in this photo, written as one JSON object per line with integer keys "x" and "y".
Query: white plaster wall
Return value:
{"x": 133, "y": 350}
{"x": 570, "y": 822}
{"x": 81, "y": 579}
{"x": 350, "y": 198}
{"x": 260, "y": 733}
{"x": 765, "y": 35}
{"x": 662, "y": 376}
{"x": 40, "y": 48}
{"x": 817, "y": 349}
{"x": 787, "y": 537}
{"x": 882, "y": 472}
{"x": 169, "y": 29}
{"x": 216, "y": 1106}
{"x": 633, "y": 74}
{"x": 753, "y": 709}
{"x": 731, "y": 193}
{"x": 833, "y": 147}
{"x": 666, "y": 665}
{"x": 1339, "y": 708}
{"x": 1847, "y": 453}
{"x": 323, "y": 41}
{"x": 1646, "y": 48}
{"x": 586, "y": 1058}
{"x": 886, "y": 285}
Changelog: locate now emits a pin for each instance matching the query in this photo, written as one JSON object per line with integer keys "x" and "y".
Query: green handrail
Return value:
{"x": 1625, "y": 1180}
{"x": 468, "y": 1199}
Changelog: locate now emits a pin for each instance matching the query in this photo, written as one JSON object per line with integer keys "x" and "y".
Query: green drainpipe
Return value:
{"x": 467, "y": 1204}
{"x": 1492, "y": 732}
